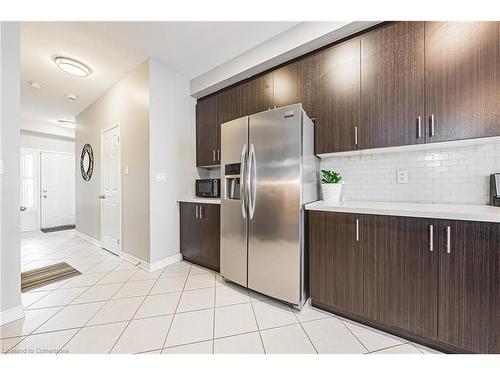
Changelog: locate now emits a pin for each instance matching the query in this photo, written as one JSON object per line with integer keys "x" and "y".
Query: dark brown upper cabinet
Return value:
{"x": 263, "y": 93}
{"x": 207, "y": 132}
{"x": 336, "y": 261}
{"x": 235, "y": 102}
{"x": 297, "y": 83}
{"x": 392, "y": 86}
{"x": 337, "y": 118}
{"x": 462, "y": 80}
{"x": 469, "y": 285}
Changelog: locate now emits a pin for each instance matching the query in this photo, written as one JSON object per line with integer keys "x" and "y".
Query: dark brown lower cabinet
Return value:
{"x": 433, "y": 281}
{"x": 200, "y": 234}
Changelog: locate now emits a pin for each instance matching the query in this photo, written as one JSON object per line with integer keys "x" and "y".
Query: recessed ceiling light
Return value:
{"x": 34, "y": 84}
{"x": 67, "y": 123}
{"x": 71, "y": 97}
{"x": 71, "y": 66}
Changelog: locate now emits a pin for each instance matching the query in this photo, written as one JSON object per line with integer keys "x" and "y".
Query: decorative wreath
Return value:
{"x": 87, "y": 173}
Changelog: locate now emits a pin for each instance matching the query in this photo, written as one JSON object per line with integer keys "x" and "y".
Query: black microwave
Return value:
{"x": 208, "y": 188}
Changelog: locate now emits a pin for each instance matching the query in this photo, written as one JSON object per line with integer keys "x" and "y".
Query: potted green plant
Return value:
{"x": 331, "y": 185}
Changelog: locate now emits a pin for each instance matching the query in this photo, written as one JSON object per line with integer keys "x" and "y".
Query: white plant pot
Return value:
{"x": 331, "y": 192}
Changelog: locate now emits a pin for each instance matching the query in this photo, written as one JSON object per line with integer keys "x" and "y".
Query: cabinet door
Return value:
{"x": 263, "y": 93}
{"x": 336, "y": 261}
{"x": 462, "y": 69}
{"x": 207, "y": 131}
{"x": 339, "y": 98}
{"x": 210, "y": 236}
{"x": 228, "y": 105}
{"x": 400, "y": 273}
{"x": 392, "y": 86}
{"x": 469, "y": 285}
{"x": 297, "y": 83}
{"x": 190, "y": 241}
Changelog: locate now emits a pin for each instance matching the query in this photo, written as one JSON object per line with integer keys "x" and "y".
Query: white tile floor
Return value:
{"x": 115, "y": 307}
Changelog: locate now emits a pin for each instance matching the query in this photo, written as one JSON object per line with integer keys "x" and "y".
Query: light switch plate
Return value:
{"x": 402, "y": 176}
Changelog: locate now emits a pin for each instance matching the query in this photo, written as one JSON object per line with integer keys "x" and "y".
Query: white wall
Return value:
{"x": 297, "y": 41}
{"x": 172, "y": 152}
{"x": 47, "y": 128}
{"x": 10, "y": 265}
{"x": 125, "y": 104}
{"x": 47, "y": 142}
{"x": 455, "y": 173}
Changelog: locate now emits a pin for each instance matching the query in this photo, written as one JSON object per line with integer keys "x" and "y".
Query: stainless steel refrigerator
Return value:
{"x": 268, "y": 173}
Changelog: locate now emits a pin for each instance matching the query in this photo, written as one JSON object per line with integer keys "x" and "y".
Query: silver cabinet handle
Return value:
{"x": 419, "y": 127}
{"x": 213, "y": 155}
{"x": 448, "y": 239}
{"x": 218, "y": 154}
{"x": 431, "y": 125}
{"x": 431, "y": 237}
{"x": 243, "y": 193}
{"x": 252, "y": 175}
{"x": 201, "y": 212}
{"x": 196, "y": 215}
{"x": 357, "y": 230}
{"x": 355, "y": 135}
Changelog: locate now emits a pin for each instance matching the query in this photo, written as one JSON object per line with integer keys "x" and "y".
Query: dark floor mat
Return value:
{"x": 56, "y": 229}
{"x": 46, "y": 275}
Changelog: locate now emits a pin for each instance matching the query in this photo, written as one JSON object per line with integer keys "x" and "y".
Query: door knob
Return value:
{"x": 22, "y": 208}
{"x": 102, "y": 196}
{"x": 44, "y": 196}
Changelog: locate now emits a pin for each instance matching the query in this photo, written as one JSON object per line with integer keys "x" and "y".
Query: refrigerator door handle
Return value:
{"x": 251, "y": 177}
{"x": 243, "y": 194}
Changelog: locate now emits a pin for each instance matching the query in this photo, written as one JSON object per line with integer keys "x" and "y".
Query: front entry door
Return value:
{"x": 110, "y": 196}
{"x": 57, "y": 189}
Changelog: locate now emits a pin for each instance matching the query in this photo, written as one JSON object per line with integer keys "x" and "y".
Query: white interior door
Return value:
{"x": 110, "y": 196}
{"x": 57, "y": 185}
{"x": 30, "y": 191}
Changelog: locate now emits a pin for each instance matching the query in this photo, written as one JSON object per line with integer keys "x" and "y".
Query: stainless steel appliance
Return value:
{"x": 495, "y": 189}
{"x": 269, "y": 171}
{"x": 208, "y": 187}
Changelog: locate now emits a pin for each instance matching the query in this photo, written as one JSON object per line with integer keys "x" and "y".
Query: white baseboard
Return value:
{"x": 12, "y": 314}
{"x": 151, "y": 267}
{"x": 85, "y": 237}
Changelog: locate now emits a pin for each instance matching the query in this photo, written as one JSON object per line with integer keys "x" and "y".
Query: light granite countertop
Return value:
{"x": 199, "y": 200}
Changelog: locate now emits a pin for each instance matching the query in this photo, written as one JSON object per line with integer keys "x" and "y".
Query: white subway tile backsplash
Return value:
{"x": 449, "y": 175}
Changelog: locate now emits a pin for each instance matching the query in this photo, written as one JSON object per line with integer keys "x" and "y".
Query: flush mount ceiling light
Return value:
{"x": 71, "y": 97}
{"x": 72, "y": 66}
{"x": 67, "y": 123}
{"x": 34, "y": 84}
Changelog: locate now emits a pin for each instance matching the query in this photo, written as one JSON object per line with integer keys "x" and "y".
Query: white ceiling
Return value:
{"x": 193, "y": 48}
{"x": 111, "y": 49}
{"x": 40, "y": 41}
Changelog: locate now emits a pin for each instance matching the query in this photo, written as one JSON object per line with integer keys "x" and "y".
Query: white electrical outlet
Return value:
{"x": 402, "y": 176}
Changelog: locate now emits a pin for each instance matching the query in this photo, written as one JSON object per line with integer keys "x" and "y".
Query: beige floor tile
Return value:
{"x": 98, "y": 293}
{"x": 231, "y": 295}
{"x": 271, "y": 314}
{"x": 168, "y": 285}
{"x": 158, "y": 304}
{"x": 144, "y": 275}
{"x": 102, "y": 267}
{"x": 60, "y": 297}
{"x": 399, "y": 349}
{"x": 198, "y": 281}
{"x": 371, "y": 338}
{"x": 287, "y": 340}
{"x": 248, "y": 343}
{"x": 255, "y": 296}
{"x": 234, "y": 320}
{"x": 310, "y": 313}
{"x": 143, "y": 335}
{"x": 126, "y": 266}
{"x": 425, "y": 349}
{"x": 204, "y": 347}
{"x": 29, "y": 298}
{"x": 179, "y": 269}
{"x": 72, "y": 316}
{"x": 7, "y": 344}
{"x": 330, "y": 336}
{"x": 117, "y": 310}
{"x": 198, "y": 270}
{"x": 87, "y": 279}
{"x": 51, "y": 287}
{"x": 95, "y": 340}
{"x": 31, "y": 321}
{"x": 116, "y": 277}
{"x": 44, "y": 343}
{"x": 191, "y": 327}
{"x": 196, "y": 300}
{"x": 135, "y": 289}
